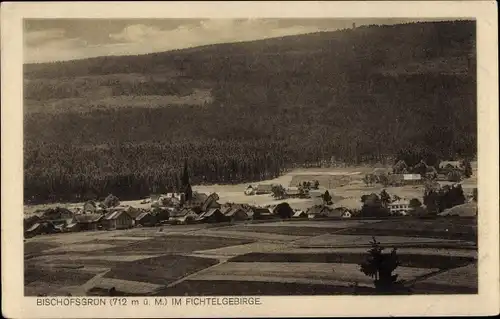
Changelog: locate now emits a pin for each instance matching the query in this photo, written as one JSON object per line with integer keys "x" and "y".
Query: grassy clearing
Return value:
{"x": 160, "y": 270}
{"x": 413, "y": 233}
{"x": 452, "y": 224}
{"x": 443, "y": 229}
{"x": 407, "y": 260}
{"x": 176, "y": 244}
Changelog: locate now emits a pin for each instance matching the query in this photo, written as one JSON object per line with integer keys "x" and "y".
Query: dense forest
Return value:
{"x": 358, "y": 95}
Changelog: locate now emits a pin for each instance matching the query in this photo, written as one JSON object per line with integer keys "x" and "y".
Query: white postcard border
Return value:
{"x": 14, "y": 304}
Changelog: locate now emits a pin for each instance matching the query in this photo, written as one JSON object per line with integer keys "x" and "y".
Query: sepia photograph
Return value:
{"x": 250, "y": 157}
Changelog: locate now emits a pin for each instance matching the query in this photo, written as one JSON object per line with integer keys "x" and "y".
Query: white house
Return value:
{"x": 412, "y": 178}
{"x": 399, "y": 207}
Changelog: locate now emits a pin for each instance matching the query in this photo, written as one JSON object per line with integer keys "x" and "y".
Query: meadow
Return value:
{"x": 200, "y": 260}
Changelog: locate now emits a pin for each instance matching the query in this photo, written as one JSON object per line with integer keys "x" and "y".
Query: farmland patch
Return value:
{"x": 305, "y": 272}
{"x": 406, "y": 259}
{"x": 438, "y": 228}
{"x": 66, "y": 277}
{"x": 286, "y": 230}
{"x": 461, "y": 279}
{"x": 177, "y": 244}
{"x": 35, "y": 247}
{"x": 345, "y": 241}
{"x": 159, "y": 270}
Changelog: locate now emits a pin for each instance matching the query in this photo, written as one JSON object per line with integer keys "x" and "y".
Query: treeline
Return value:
{"x": 54, "y": 172}
{"x": 42, "y": 90}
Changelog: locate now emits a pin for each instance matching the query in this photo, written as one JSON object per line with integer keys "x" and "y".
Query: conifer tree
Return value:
{"x": 185, "y": 185}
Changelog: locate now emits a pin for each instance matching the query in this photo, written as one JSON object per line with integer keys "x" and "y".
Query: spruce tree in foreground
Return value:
{"x": 380, "y": 266}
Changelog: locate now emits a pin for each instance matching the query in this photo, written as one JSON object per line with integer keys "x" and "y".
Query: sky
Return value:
{"x": 48, "y": 40}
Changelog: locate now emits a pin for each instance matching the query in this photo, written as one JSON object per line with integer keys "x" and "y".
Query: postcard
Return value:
{"x": 249, "y": 159}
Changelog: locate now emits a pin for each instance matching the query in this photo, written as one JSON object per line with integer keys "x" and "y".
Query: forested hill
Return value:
{"x": 357, "y": 94}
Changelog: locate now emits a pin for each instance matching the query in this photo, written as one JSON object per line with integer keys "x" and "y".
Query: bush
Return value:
{"x": 111, "y": 201}
{"x": 380, "y": 266}
{"x": 284, "y": 211}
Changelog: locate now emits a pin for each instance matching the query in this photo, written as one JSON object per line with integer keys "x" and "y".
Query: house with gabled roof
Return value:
{"x": 30, "y": 221}
{"x": 183, "y": 216}
{"x": 134, "y": 212}
{"x": 197, "y": 200}
{"x": 43, "y": 227}
{"x": 211, "y": 202}
{"x": 340, "y": 212}
{"x": 213, "y": 215}
{"x": 145, "y": 219}
{"x": 225, "y": 209}
{"x": 318, "y": 211}
{"x": 236, "y": 213}
{"x": 118, "y": 219}
{"x": 86, "y": 222}
{"x": 299, "y": 214}
{"x": 259, "y": 213}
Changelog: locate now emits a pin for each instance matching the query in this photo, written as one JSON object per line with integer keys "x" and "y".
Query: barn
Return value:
{"x": 119, "y": 219}
{"x": 86, "y": 221}
{"x": 145, "y": 219}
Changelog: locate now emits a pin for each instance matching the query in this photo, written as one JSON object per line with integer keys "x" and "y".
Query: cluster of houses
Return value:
{"x": 165, "y": 209}
{"x": 170, "y": 208}
{"x": 65, "y": 220}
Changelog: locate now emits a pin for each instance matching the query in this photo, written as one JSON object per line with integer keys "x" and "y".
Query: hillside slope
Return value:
{"x": 358, "y": 94}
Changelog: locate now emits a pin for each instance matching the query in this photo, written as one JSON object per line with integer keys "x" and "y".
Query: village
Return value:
{"x": 192, "y": 207}
{"x": 264, "y": 238}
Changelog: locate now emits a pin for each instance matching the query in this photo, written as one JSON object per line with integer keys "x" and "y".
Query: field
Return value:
{"x": 272, "y": 258}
